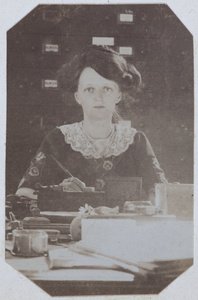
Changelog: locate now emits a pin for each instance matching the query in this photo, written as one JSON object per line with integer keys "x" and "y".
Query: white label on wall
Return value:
{"x": 107, "y": 41}
{"x": 51, "y": 48}
{"x": 49, "y": 83}
{"x": 126, "y": 18}
{"x": 126, "y": 50}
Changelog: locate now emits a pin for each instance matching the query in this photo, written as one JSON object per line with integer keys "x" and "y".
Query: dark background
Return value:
{"x": 162, "y": 107}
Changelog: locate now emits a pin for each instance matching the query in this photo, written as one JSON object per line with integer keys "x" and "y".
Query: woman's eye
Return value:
{"x": 89, "y": 90}
{"x": 107, "y": 89}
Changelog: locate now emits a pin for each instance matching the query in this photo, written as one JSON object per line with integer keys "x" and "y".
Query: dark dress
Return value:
{"x": 131, "y": 155}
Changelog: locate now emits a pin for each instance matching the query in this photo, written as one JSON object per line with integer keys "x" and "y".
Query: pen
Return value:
{"x": 61, "y": 166}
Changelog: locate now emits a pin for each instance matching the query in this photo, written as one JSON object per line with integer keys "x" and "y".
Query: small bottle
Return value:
{"x": 161, "y": 197}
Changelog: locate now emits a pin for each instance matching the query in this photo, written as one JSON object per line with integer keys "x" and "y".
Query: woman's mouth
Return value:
{"x": 99, "y": 106}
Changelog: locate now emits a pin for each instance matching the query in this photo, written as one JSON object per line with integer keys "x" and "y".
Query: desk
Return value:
{"x": 77, "y": 282}
{"x": 101, "y": 281}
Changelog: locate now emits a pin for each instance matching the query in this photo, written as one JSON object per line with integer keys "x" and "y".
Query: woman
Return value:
{"x": 94, "y": 148}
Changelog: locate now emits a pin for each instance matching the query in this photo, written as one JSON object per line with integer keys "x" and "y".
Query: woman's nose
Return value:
{"x": 98, "y": 95}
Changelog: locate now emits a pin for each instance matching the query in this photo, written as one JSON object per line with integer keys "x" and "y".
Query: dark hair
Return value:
{"x": 106, "y": 62}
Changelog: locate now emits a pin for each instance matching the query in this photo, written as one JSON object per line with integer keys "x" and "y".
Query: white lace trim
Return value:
{"x": 122, "y": 138}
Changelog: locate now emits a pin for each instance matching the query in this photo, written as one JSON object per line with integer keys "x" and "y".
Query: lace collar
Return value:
{"x": 74, "y": 135}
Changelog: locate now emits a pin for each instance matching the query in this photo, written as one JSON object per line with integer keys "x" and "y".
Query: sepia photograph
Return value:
{"x": 99, "y": 149}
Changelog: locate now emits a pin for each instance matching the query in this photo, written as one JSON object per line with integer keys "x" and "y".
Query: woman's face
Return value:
{"x": 97, "y": 95}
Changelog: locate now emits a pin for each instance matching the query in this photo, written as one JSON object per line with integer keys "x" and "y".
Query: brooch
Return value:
{"x": 107, "y": 165}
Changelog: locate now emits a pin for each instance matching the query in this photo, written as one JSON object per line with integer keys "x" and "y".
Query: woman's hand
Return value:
{"x": 73, "y": 184}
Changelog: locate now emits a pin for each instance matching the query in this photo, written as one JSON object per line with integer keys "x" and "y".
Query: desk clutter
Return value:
{"x": 131, "y": 240}
{"x": 118, "y": 190}
{"x": 55, "y": 208}
{"x": 122, "y": 248}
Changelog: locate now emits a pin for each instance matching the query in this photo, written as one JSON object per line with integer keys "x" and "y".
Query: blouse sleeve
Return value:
{"x": 147, "y": 165}
{"x": 42, "y": 169}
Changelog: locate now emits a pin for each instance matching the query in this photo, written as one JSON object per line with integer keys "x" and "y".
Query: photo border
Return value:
{"x": 13, "y": 284}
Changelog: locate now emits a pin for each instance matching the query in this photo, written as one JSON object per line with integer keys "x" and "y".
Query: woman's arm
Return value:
{"x": 26, "y": 192}
{"x": 40, "y": 170}
{"x": 44, "y": 169}
{"x": 147, "y": 164}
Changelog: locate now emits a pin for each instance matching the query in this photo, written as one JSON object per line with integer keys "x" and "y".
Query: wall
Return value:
{"x": 162, "y": 52}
